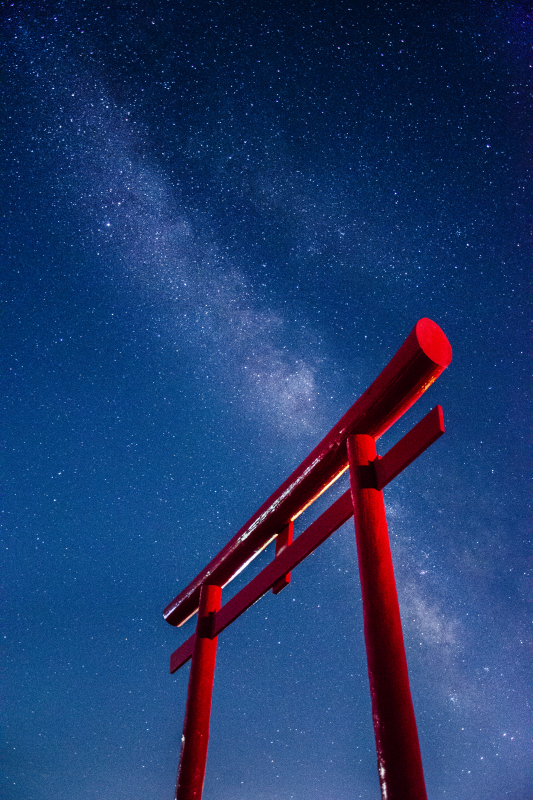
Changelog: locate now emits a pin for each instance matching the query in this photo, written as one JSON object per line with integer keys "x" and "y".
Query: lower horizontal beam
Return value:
{"x": 386, "y": 469}
{"x": 180, "y": 656}
{"x": 409, "y": 447}
{"x": 327, "y": 523}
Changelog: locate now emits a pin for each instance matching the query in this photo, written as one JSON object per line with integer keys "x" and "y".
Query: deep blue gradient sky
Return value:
{"x": 220, "y": 221}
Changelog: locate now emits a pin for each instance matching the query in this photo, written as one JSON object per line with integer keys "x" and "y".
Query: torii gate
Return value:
{"x": 350, "y": 444}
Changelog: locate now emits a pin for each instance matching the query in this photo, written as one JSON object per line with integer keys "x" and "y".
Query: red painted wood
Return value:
{"x": 420, "y": 360}
{"x": 195, "y": 738}
{"x": 180, "y": 656}
{"x": 398, "y": 751}
{"x": 410, "y": 446}
{"x": 381, "y": 472}
{"x": 283, "y": 540}
{"x": 326, "y": 524}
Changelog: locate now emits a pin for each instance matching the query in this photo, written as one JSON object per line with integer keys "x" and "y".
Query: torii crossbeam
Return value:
{"x": 349, "y": 445}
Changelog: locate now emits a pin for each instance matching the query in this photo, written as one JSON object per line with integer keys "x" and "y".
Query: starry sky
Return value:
{"x": 220, "y": 221}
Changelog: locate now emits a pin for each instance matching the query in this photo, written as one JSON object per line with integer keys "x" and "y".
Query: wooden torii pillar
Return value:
{"x": 350, "y": 445}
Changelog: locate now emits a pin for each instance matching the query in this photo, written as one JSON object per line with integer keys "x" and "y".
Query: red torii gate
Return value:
{"x": 349, "y": 445}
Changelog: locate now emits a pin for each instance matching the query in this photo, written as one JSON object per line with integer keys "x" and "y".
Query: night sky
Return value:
{"x": 220, "y": 221}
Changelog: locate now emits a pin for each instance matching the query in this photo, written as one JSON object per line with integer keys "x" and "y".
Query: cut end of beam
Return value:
{"x": 433, "y": 341}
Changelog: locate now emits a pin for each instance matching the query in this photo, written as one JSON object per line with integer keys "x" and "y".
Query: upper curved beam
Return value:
{"x": 423, "y": 356}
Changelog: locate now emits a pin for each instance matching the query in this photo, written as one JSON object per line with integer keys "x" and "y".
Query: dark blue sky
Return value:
{"x": 220, "y": 221}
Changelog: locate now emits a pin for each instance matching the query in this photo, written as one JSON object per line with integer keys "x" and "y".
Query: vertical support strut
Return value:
{"x": 195, "y": 738}
{"x": 283, "y": 540}
{"x": 398, "y": 750}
